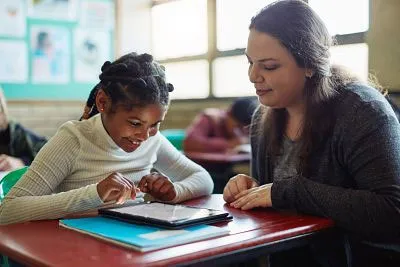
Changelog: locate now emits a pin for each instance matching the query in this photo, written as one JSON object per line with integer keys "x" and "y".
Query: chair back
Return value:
{"x": 175, "y": 136}
{"x": 10, "y": 180}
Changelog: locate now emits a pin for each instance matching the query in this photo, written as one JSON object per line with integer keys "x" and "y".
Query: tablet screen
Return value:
{"x": 167, "y": 212}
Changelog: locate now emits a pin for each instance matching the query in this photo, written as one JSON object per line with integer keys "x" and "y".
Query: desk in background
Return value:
{"x": 221, "y": 166}
{"x": 252, "y": 234}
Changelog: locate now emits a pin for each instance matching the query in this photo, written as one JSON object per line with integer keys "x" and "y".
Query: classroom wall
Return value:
{"x": 44, "y": 117}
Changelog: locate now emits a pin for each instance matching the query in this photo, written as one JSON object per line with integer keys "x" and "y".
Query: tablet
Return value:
{"x": 166, "y": 215}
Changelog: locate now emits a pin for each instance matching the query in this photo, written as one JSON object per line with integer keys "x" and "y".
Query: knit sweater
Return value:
{"x": 355, "y": 177}
{"x": 64, "y": 175}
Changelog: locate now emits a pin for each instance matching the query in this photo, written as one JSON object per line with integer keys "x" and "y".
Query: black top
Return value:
{"x": 19, "y": 142}
{"x": 5, "y": 141}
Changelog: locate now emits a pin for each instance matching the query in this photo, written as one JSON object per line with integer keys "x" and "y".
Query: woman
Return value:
{"x": 323, "y": 143}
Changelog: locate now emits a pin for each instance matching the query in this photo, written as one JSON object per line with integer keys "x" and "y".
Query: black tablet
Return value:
{"x": 166, "y": 215}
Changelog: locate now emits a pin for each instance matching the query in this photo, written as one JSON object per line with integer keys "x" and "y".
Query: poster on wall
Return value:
{"x": 50, "y": 53}
{"x": 13, "y": 22}
{"x": 97, "y": 15}
{"x": 91, "y": 49}
{"x": 14, "y": 61}
{"x": 53, "y": 9}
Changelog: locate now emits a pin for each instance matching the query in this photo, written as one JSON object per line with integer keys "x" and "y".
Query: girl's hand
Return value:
{"x": 158, "y": 186}
{"x": 236, "y": 185}
{"x": 255, "y": 197}
{"x": 116, "y": 188}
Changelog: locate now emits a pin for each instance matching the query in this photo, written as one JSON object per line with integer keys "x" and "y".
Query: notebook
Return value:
{"x": 140, "y": 237}
{"x": 165, "y": 215}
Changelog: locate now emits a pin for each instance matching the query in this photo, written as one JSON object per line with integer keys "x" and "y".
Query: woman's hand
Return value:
{"x": 236, "y": 185}
{"x": 8, "y": 163}
{"x": 255, "y": 197}
{"x": 116, "y": 188}
{"x": 158, "y": 186}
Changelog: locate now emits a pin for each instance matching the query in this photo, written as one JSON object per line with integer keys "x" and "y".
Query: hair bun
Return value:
{"x": 170, "y": 87}
{"x": 106, "y": 65}
{"x": 147, "y": 58}
{"x": 116, "y": 68}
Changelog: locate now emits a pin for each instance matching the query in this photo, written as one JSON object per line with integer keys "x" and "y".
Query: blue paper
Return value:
{"x": 141, "y": 237}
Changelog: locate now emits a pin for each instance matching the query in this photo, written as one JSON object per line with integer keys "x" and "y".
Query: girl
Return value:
{"x": 323, "y": 143}
{"x": 107, "y": 157}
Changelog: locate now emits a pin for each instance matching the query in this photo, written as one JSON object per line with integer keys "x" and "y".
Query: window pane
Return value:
{"x": 179, "y": 29}
{"x": 343, "y": 16}
{"x": 190, "y": 79}
{"x": 230, "y": 77}
{"x": 354, "y": 57}
{"x": 233, "y": 20}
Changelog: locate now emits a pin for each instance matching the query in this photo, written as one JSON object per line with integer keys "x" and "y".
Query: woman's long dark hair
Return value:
{"x": 301, "y": 31}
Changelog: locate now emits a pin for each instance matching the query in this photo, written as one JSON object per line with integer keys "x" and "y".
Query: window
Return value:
{"x": 179, "y": 29}
{"x": 350, "y": 29}
{"x": 190, "y": 78}
{"x": 202, "y": 42}
{"x": 233, "y": 20}
{"x": 352, "y": 56}
{"x": 343, "y": 16}
{"x": 227, "y": 67}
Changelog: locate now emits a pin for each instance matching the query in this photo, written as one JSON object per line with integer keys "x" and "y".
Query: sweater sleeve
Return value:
{"x": 370, "y": 141}
{"x": 190, "y": 179}
{"x": 198, "y": 137}
{"x": 33, "y": 197}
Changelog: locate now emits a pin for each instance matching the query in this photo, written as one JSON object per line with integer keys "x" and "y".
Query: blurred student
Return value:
{"x": 323, "y": 142}
{"x": 221, "y": 130}
{"x": 107, "y": 157}
{"x": 18, "y": 145}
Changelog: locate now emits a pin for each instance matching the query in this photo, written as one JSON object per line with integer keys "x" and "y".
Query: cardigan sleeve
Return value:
{"x": 369, "y": 136}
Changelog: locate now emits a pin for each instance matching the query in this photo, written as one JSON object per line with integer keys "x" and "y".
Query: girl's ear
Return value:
{"x": 102, "y": 101}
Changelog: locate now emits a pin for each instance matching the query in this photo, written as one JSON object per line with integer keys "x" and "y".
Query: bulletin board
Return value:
{"x": 54, "y": 49}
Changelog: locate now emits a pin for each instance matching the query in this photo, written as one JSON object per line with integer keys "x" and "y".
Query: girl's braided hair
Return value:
{"x": 130, "y": 81}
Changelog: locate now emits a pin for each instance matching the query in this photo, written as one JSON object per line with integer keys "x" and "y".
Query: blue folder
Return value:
{"x": 140, "y": 237}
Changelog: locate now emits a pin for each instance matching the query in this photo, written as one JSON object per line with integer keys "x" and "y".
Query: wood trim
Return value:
{"x": 46, "y": 102}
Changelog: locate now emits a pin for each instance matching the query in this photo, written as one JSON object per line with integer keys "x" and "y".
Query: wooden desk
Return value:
{"x": 252, "y": 233}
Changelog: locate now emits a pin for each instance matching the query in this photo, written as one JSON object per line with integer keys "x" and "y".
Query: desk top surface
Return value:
{"x": 45, "y": 243}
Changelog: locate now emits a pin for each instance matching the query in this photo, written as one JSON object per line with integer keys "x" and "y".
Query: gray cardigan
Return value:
{"x": 355, "y": 178}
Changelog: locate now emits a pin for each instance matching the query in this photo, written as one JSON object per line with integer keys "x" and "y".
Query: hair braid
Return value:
{"x": 90, "y": 103}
